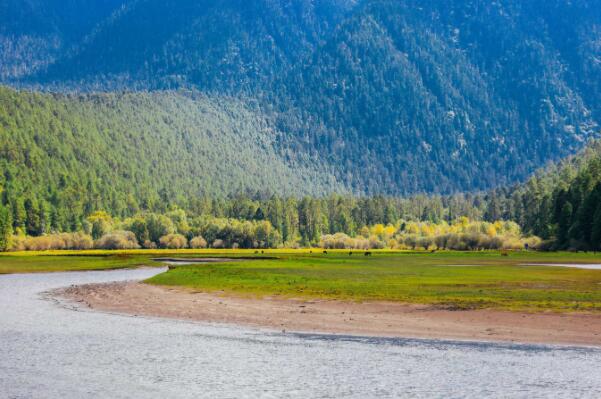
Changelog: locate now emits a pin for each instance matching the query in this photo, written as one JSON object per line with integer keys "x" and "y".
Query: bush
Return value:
{"x": 533, "y": 242}
{"x": 547, "y": 245}
{"x": 118, "y": 240}
{"x": 425, "y": 242}
{"x": 512, "y": 243}
{"x": 198, "y": 243}
{"x": 149, "y": 245}
{"x": 343, "y": 241}
{"x": 173, "y": 241}
{"x": 487, "y": 242}
{"x": 51, "y": 242}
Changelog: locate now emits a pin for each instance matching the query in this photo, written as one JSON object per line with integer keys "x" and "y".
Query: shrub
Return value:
{"x": 547, "y": 245}
{"x": 488, "y": 242}
{"x": 80, "y": 241}
{"x": 533, "y": 242}
{"x": 198, "y": 242}
{"x": 173, "y": 241}
{"x": 375, "y": 243}
{"x": 513, "y": 243}
{"x": 51, "y": 242}
{"x": 118, "y": 240}
{"x": 343, "y": 241}
{"x": 425, "y": 242}
{"x": 18, "y": 243}
{"x": 442, "y": 241}
{"x": 149, "y": 244}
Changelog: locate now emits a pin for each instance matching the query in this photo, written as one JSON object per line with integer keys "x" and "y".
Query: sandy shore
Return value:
{"x": 337, "y": 317}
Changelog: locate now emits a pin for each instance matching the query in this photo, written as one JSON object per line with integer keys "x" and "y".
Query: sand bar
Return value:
{"x": 386, "y": 319}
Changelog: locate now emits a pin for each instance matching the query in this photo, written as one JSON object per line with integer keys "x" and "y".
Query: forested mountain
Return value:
{"x": 455, "y": 94}
{"x": 65, "y": 157}
{"x": 390, "y": 96}
{"x": 77, "y": 154}
{"x": 561, "y": 203}
{"x": 36, "y": 33}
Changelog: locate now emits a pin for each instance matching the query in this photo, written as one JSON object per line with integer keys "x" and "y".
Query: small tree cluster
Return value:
{"x": 198, "y": 242}
{"x": 118, "y": 240}
{"x": 173, "y": 241}
{"x": 462, "y": 235}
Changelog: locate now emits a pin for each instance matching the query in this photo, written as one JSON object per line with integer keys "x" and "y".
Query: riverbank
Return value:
{"x": 383, "y": 319}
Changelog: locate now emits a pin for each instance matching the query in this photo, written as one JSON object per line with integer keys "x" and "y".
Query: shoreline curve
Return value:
{"x": 377, "y": 319}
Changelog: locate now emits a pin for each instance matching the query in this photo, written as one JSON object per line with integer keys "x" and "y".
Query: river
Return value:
{"x": 50, "y": 350}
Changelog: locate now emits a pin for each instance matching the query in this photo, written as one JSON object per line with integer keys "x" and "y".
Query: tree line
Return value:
{"x": 561, "y": 204}
{"x": 67, "y": 180}
{"x": 245, "y": 222}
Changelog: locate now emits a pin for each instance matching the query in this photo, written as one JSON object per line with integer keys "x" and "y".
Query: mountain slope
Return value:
{"x": 438, "y": 98}
{"x": 561, "y": 203}
{"x": 36, "y": 33}
{"x": 221, "y": 44}
{"x": 397, "y": 96}
{"x": 123, "y": 152}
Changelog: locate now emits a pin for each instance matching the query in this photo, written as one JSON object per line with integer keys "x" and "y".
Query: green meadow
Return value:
{"x": 62, "y": 263}
{"x": 453, "y": 280}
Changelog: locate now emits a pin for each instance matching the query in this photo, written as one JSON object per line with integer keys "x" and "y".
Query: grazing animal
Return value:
{"x": 368, "y": 253}
{"x": 350, "y": 253}
{"x": 325, "y": 252}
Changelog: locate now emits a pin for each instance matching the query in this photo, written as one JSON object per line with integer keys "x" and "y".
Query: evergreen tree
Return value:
{"x": 564, "y": 224}
{"x": 33, "y": 224}
{"x": 596, "y": 230}
{"x": 6, "y": 228}
{"x": 19, "y": 215}
{"x": 586, "y": 215}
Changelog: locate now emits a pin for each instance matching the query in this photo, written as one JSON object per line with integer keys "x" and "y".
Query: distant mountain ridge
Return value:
{"x": 390, "y": 96}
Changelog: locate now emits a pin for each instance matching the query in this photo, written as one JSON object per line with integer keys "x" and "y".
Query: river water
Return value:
{"x": 48, "y": 350}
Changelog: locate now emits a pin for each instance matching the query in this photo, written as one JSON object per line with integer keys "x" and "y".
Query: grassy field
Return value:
{"x": 456, "y": 280}
{"x": 59, "y": 263}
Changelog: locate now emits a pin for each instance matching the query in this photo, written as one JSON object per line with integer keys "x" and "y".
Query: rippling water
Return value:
{"x": 49, "y": 351}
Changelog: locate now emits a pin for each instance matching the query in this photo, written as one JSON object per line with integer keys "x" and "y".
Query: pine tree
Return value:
{"x": 596, "y": 233}
{"x": 565, "y": 222}
{"x": 6, "y": 228}
{"x": 33, "y": 223}
{"x": 586, "y": 214}
{"x": 19, "y": 215}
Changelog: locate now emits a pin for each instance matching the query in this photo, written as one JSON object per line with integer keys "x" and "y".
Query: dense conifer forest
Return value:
{"x": 392, "y": 97}
{"x": 68, "y": 185}
{"x": 281, "y": 122}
